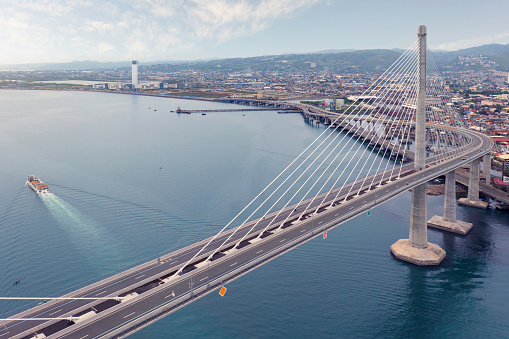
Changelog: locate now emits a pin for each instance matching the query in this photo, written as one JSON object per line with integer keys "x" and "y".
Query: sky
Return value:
{"x": 41, "y": 31}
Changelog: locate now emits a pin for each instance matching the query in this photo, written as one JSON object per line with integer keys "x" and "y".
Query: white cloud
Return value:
{"x": 62, "y": 30}
{"x": 53, "y": 8}
{"x": 161, "y": 8}
{"x": 223, "y": 20}
{"x": 97, "y": 26}
{"x": 455, "y": 45}
{"x": 104, "y": 48}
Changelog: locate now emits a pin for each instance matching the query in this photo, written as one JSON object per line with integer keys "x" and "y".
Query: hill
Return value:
{"x": 344, "y": 62}
{"x": 334, "y": 60}
{"x": 448, "y": 57}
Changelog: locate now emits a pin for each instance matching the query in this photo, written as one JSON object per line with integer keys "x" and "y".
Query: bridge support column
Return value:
{"x": 473, "y": 188}
{"x": 448, "y": 222}
{"x": 486, "y": 165}
{"x": 417, "y": 250}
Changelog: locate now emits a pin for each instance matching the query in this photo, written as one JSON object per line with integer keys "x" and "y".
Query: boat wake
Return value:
{"x": 65, "y": 214}
{"x": 83, "y": 232}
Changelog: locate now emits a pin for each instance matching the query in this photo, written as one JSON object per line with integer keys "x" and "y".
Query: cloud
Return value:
{"x": 161, "y": 8}
{"x": 455, "y": 45}
{"x": 104, "y": 48}
{"x": 223, "y": 20}
{"x": 98, "y": 26}
{"x": 53, "y": 8}
{"x": 62, "y": 30}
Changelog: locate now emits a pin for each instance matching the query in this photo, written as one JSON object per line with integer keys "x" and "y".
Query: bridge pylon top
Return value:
{"x": 422, "y": 30}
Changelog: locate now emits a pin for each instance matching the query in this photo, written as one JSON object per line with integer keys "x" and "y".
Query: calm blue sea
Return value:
{"x": 130, "y": 179}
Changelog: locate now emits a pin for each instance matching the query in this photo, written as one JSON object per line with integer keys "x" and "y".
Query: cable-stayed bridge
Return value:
{"x": 363, "y": 159}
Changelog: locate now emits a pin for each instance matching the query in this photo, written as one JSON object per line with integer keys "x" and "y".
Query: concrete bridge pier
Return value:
{"x": 486, "y": 165}
{"x": 448, "y": 222}
{"x": 417, "y": 250}
{"x": 473, "y": 188}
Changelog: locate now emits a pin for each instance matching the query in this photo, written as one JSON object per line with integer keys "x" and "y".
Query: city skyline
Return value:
{"x": 67, "y": 30}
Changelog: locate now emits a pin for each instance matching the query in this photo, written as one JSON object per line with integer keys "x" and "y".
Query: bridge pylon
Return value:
{"x": 417, "y": 249}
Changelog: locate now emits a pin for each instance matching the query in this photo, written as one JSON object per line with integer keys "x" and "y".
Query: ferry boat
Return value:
{"x": 179, "y": 111}
{"x": 37, "y": 185}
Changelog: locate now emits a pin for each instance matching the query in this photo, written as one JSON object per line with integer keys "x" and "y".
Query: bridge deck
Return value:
{"x": 462, "y": 177}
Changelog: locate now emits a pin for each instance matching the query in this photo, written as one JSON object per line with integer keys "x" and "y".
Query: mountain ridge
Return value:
{"x": 345, "y": 58}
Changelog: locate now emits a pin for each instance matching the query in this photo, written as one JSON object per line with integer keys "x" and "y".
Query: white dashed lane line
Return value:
{"x": 130, "y": 314}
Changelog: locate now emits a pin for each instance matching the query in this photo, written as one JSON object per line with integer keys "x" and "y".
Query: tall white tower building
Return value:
{"x": 135, "y": 72}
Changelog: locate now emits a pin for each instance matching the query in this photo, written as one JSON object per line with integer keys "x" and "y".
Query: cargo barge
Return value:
{"x": 37, "y": 185}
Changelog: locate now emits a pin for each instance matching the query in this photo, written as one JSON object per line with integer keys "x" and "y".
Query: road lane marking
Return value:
{"x": 235, "y": 263}
{"x": 302, "y": 231}
{"x": 320, "y": 222}
{"x": 55, "y": 312}
{"x": 259, "y": 251}
{"x": 351, "y": 207}
{"x": 1, "y": 335}
{"x": 139, "y": 276}
{"x": 84, "y": 336}
{"x": 171, "y": 295}
{"x": 203, "y": 278}
{"x": 100, "y": 293}
{"x": 336, "y": 215}
{"x": 130, "y": 314}
{"x": 282, "y": 240}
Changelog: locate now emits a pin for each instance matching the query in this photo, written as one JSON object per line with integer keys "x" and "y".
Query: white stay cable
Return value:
{"x": 345, "y": 182}
{"x": 295, "y": 181}
{"x": 271, "y": 221}
{"x": 403, "y": 125}
{"x": 439, "y": 91}
{"x": 353, "y": 144}
{"x": 405, "y": 116}
{"x": 388, "y": 99}
{"x": 386, "y": 139}
{"x": 227, "y": 225}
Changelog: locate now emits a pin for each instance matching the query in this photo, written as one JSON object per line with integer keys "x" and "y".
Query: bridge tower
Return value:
{"x": 417, "y": 249}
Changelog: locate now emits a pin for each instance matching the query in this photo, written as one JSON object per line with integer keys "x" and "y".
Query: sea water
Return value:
{"x": 130, "y": 180}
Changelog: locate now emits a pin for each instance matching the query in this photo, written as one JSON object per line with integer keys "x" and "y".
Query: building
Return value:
{"x": 135, "y": 72}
